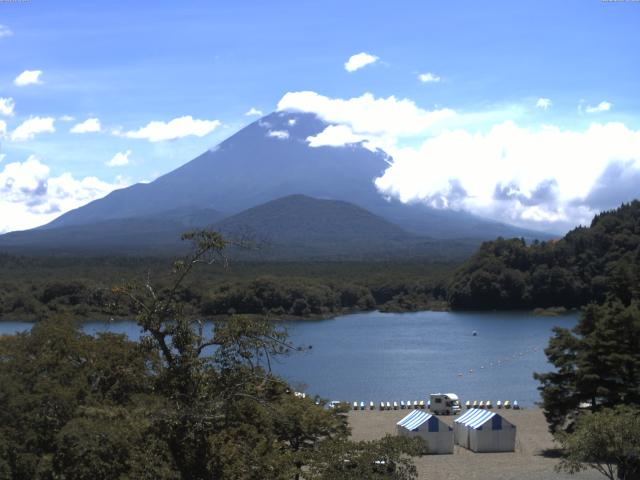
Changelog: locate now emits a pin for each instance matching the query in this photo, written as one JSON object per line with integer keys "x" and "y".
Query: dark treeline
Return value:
{"x": 587, "y": 265}
{"x": 38, "y": 287}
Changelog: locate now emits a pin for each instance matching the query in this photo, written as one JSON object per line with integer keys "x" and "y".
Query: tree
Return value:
{"x": 607, "y": 441}
{"x": 597, "y": 363}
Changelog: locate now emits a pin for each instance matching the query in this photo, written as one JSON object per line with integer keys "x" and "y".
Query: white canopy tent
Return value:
{"x": 437, "y": 434}
{"x": 484, "y": 431}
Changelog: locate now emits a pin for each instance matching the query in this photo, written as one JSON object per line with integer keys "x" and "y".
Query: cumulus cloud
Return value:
{"x": 158, "y": 131}
{"x": 543, "y": 103}
{"x": 359, "y": 60}
{"x": 120, "y": 159}
{"x": 254, "y": 112}
{"x": 30, "y": 196}
{"x": 279, "y": 134}
{"x": 368, "y": 115}
{"x": 428, "y": 77}
{"x": 28, "y": 77}
{"x": 33, "y": 126}
{"x": 3, "y": 129}
{"x": 6, "y": 106}
{"x": 90, "y": 125}
{"x": 543, "y": 177}
{"x": 601, "y": 107}
{"x": 66, "y": 118}
{"x": 5, "y": 31}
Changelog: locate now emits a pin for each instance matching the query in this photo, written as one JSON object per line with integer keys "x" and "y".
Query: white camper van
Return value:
{"x": 444, "y": 403}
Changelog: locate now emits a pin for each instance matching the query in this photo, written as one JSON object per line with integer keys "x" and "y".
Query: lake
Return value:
{"x": 401, "y": 356}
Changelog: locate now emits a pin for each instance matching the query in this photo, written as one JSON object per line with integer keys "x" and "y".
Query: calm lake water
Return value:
{"x": 401, "y": 356}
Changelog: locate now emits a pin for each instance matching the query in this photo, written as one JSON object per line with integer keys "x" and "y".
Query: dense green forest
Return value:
{"x": 587, "y": 265}
{"x": 40, "y": 287}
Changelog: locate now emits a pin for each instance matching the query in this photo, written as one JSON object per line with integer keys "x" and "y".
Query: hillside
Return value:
{"x": 585, "y": 266}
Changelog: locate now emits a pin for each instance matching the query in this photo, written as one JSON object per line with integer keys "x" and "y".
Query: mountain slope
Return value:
{"x": 269, "y": 159}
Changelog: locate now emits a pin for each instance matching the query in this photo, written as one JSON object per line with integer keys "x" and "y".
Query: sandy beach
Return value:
{"x": 533, "y": 458}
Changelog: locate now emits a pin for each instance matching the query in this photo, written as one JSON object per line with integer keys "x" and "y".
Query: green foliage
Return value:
{"x": 80, "y": 287}
{"x": 597, "y": 363}
{"x": 384, "y": 459}
{"x": 588, "y": 264}
{"x": 183, "y": 403}
{"x": 607, "y": 441}
{"x": 48, "y": 375}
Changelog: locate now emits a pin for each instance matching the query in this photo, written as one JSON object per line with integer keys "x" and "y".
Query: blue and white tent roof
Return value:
{"x": 476, "y": 418}
{"x": 414, "y": 419}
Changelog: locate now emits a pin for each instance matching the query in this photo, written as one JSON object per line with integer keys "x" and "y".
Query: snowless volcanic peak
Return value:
{"x": 268, "y": 159}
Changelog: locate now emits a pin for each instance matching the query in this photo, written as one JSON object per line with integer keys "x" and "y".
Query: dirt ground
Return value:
{"x": 533, "y": 458}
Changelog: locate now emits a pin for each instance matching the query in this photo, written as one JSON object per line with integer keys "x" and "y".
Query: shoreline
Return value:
{"x": 104, "y": 318}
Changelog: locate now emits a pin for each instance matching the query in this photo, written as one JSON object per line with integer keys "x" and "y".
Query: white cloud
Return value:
{"x": 368, "y": 115}
{"x": 335, "y": 136}
{"x": 177, "y": 128}
{"x": 254, "y": 111}
{"x": 5, "y": 31}
{"x": 543, "y": 103}
{"x": 66, "y": 118}
{"x": 30, "y": 196}
{"x": 359, "y": 60}
{"x": 2, "y": 156}
{"x": 6, "y": 106}
{"x": 3, "y": 129}
{"x": 279, "y": 134}
{"x": 428, "y": 77}
{"x": 539, "y": 177}
{"x": 31, "y": 127}
{"x": 120, "y": 159}
{"x": 28, "y": 77}
{"x": 90, "y": 125}
{"x": 531, "y": 177}
{"x": 601, "y": 107}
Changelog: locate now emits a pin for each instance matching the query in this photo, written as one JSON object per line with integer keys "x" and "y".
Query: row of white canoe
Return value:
{"x": 416, "y": 404}
{"x": 420, "y": 404}
{"x": 488, "y": 404}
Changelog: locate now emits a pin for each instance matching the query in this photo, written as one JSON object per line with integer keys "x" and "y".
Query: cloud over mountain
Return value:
{"x": 536, "y": 177}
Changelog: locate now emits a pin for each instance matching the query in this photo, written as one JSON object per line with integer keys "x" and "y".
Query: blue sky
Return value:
{"x": 127, "y": 64}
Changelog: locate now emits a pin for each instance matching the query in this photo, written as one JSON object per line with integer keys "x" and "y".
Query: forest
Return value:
{"x": 587, "y": 265}
{"x": 39, "y": 287}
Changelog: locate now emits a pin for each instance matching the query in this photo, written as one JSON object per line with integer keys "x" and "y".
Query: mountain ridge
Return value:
{"x": 267, "y": 160}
